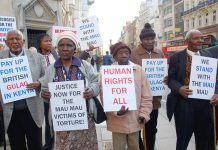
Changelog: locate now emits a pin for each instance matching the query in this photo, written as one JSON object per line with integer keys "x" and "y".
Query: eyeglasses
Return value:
{"x": 67, "y": 46}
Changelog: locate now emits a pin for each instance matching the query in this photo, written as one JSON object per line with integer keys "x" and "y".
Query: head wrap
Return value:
{"x": 68, "y": 35}
{"x": 114, "y": 48}
{"x": 147, "y": 31}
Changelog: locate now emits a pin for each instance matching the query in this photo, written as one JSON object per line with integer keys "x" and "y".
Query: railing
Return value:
{"x": 200, "y": 5}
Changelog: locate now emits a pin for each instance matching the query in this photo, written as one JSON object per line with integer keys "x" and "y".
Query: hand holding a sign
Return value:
{"x": 88, "y": 93}
{"x": 34, "y": 85}
{"x": 214, "y": 100}
{"x": 185, "y": 91}
{"x": 46, "y": 95}
{"x": 91, "y": 48}
{"x": 122, "y": 111}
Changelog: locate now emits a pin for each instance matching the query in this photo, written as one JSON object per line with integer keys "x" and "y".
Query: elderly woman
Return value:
{"x": 67, "y": 68}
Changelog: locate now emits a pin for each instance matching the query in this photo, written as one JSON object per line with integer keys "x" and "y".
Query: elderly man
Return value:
{"x": 147, "y": 50}
{"x": 191, "y": 115}
{"x": 23, "y": 119}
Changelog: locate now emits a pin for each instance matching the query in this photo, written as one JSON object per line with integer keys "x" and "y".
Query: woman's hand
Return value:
{"x": 46, "y": 95}
{"x": 88, "y": 93}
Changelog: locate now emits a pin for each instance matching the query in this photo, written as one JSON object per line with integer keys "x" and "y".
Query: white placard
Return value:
{"x": 88, "y": 32}
{"x": 155, "y": 71}
{"x": 203, "y": 77}
{"x": 14, "y": 77}
{"x": 6, "y": 24}
{"x": 118, "y": 87}
{"x": 68, "y": 106}
{"x": 57, "y": 30}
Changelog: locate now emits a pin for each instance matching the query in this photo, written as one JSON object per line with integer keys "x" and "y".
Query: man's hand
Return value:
{"x": 214, "y": 100}
{"x": 46, "y": 95}
{"x": 141, "y": 120}
{"x": 122, "y": 111}
{"x": 185, "y": 91}
{"x": 165, "y": 80}
{"x": 34, "y": 85}
{"x": 88, "y": 93}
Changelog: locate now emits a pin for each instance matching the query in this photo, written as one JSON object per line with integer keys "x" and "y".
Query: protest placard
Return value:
{"x": 203, "y": 77}
{"x": 14, "y": 77}
{"x": 6, "y": 24}
{"x": 57, "y": 30}
{"x": 88, "y": 32}
{"x": 118, "y": 87}
{"x": 68, "y": 106}
{"x": 155, "y": 71}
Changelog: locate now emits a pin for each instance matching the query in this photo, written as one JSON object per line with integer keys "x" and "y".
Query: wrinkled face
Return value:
{"x": 15, "y": 42}
{"x": 66, "y": 48}
{"x": 122, "y": 56}
{"x": 148, "y": 43}
{"x": 195, "y": 41}
{"x": 45, "y": 44}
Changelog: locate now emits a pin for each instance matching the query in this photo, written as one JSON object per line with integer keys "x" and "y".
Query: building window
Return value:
{"x": 199, "y": 20}
{"x": 187, "y": 25}
{"x": 206, "y": 18}
{"x": 193, "y": 22}
{"x": 168, "y": 10}
{"x": 168, "y": 22}
{"x": 214, "y": 16}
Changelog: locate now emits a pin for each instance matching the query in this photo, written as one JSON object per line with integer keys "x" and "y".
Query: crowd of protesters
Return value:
{"x": 23, "y": 119}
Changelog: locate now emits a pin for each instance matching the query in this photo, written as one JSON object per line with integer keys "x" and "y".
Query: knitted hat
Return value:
{"x": 68, "y": 35}
{"x": 114, "y": 48}
{"x": 147, "y": 31}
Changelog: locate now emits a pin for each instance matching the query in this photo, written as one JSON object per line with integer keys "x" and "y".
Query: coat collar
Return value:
{"x": 141, "y": 50}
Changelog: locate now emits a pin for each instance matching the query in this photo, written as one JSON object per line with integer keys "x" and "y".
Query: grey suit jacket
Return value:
{"x": 34, "y": 104}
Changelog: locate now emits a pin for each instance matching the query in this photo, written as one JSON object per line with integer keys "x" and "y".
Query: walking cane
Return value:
{"x": 214, "y": 126}
{"x": 144, "y": 139}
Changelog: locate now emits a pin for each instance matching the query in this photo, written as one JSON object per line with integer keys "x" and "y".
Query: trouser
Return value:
{"x": 193, "y": 116}
{"x": 22, "y": 128}
{"x": 150, "y": 130}
{"x": 121, "y": 140}
{"x": 49, "y": 140}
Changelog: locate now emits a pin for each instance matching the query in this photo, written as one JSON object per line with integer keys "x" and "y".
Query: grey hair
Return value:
{"x": 16, "y": 32}
{"x": 188, "y": 34}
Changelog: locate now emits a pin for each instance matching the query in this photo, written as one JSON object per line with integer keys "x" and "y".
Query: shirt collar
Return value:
{"x": 191, "y": 53}
{"x": 21, "y": 53}
{"x": 75, "y": 62}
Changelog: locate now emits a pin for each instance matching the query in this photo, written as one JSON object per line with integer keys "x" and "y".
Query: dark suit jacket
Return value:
{"x": 176, "y": 76}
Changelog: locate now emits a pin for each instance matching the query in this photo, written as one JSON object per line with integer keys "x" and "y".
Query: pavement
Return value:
{"x": 165, "y": 138}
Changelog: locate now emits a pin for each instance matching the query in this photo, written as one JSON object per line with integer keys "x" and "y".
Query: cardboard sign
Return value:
{"x": 118, "y": 87}
{"x": 88, "y": 32}
{"x": 155, "y": 71}
{"x": 203, "y": 77}
{"x": 57, "y": 30}
{"x": 6, "y": 24}
{"x": 68, "y": 106}
{"x": 14, "y": 77}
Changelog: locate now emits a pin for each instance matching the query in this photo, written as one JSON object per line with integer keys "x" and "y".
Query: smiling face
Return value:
{"x": 66, "y": 48}
{"x": 195, "y": 41}
{"x": 15, "y": 42}
{"x": 122, "y": 56}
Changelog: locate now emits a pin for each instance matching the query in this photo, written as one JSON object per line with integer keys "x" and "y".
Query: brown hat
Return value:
{"x": 114, "y": 48}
